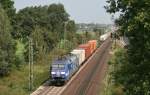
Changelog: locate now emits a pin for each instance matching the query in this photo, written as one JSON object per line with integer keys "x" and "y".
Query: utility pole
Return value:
{"x": 30, "y": 64}
{"x": 65, "y": 24}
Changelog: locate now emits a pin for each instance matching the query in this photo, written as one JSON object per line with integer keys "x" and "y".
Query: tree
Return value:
{"x": 57, "y": 16}
{"x": 98, "y": 32}
{"x": 70, "y": 30}
{"x": 134, "y": 21}
{"x": 8, "y": 6}
{"x": 51, "y": 17}
{"x": 39, "y": 44}
{"x": 6, "y": 44}
{"x": 27, "y": 19}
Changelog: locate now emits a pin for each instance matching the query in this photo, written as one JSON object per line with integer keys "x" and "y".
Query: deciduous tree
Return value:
{"x": 6, "y": 44}
{"x": 134, "y": 21}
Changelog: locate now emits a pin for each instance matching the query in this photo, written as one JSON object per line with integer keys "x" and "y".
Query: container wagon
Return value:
{"x": 93, "y": 45}
{"x": 80, "y": 53}
{"x": 87, "y": 48}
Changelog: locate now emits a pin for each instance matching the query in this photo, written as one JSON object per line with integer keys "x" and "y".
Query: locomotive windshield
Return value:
{"x": 58, "y": 66}
{"x": 55, "y": 66}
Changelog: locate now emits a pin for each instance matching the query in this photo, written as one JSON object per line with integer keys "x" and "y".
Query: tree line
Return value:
{"x": 134, "y": 72}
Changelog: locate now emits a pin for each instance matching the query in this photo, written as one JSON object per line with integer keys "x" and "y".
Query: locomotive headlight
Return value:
{"x": 62, "y": 72}
{"x": 53, "y": 72}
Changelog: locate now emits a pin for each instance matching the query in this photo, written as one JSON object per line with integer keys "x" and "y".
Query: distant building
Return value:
{"x": 82, "y": 27}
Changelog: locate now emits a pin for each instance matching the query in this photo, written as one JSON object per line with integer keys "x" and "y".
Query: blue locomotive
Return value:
{"x": 63, "y": 68}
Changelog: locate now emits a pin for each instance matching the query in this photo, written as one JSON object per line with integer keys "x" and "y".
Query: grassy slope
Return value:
{"x": 18, "y": 81}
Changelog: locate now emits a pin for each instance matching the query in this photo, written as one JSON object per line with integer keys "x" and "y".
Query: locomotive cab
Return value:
{"x": 59, "y": 71}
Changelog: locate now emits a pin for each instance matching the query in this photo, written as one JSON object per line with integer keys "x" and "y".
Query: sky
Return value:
{"x": 82, "y": 11}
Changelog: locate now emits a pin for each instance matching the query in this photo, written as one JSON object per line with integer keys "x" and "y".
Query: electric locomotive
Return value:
{"x": 63, "y": 68}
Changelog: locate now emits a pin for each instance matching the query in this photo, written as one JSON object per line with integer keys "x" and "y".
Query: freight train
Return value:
{"x": 63, "y": 68}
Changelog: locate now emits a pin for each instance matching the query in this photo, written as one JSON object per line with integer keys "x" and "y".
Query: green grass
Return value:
{"x": 20, "y": 49}
{"x": 18, "y": 81}
{"x": 108, "y": 84}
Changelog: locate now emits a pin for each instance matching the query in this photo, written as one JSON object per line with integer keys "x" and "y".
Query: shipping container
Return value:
{"x": 80, "y": 53}
{"x": 104, "y": 36}
{"x": 91, "y": 46}
{"x": 94, "y": 44}
{"x": 87, "y": 49}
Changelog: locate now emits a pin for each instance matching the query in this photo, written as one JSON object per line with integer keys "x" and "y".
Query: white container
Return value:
{"x": 80, "y": 53}
{"x": 104, "y": 36}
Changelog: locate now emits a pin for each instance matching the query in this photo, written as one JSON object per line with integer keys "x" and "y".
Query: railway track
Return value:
{"x": 85, "y": 81}
{"x": 89, "y": 81}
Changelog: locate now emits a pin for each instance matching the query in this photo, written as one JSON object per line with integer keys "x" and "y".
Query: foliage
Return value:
{"x": 43, "y": 42}
{"x": 6, "y": 44}
{"x": 98, "y": 31}
{"x": 57, "y": 17}
{"x": 46, "y": 25}
{"x": 50, "y": 17}
{"x": 70, "y": 30}
{"x": 19, "y": 53}
{"x": 135, "y": 23}
{"x": 7, "y": 5}
{"x": 17, "y": 82}
{"x": 26, "y": 19}
{"x": 66, "y": 45}
{"x": 117, "y": 62}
